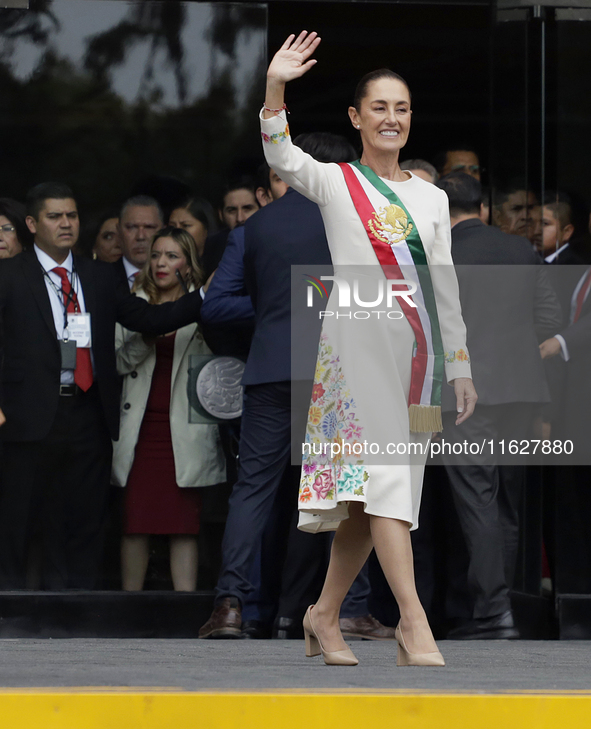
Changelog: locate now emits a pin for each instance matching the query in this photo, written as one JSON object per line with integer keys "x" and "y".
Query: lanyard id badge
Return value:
{"x": 79, "y": 329}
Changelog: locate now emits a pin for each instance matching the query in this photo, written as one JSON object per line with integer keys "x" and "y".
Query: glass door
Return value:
{"x": 541, "y": 189}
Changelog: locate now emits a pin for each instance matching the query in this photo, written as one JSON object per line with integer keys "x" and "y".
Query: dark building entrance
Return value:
{"x": 111, "y": 96}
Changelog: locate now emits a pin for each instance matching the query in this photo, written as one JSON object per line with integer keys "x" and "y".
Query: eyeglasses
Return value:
{"x": 7, "y": 228}
{"x": 467, "y": 168}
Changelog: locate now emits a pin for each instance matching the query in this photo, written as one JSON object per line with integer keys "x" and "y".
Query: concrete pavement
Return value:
{"x": 195, "y": 665}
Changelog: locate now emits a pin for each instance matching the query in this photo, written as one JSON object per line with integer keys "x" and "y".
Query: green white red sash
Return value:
{"x": 397, "y": 243}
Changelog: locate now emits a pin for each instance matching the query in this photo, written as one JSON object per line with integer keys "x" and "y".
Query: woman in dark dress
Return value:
{"x": 161, "y": 458}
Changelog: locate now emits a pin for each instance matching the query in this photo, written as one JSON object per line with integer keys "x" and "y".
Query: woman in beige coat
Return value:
{"x": 160, "y": 457}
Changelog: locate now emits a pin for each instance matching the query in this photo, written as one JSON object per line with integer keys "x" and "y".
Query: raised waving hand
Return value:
{"x": 291, "y": 61}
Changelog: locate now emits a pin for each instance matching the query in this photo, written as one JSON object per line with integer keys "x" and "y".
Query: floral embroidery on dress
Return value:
{"x": 459, "y": 356}
{"x": 276, "y": 138}
{"x": 353, "y": 479}
{"x": 330, "y": 469}
{"x": 324, "y": 485}
{"x": 305, "y": 494}
{"x": 317, "y": 390}
{"x": 315, "y": 415}
{"x": 329, "y": 425}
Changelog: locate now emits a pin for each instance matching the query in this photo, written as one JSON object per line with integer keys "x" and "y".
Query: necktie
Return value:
{"x": 582, "y": 295}
{"x": 83, "y": 371}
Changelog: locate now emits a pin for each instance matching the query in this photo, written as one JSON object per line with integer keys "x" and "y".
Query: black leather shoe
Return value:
{"x": 255, "y": 630}
{"x": 498, "y": 627}
{"x": 287, "y": 629}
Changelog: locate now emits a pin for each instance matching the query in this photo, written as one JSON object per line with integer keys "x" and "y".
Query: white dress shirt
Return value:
{"x": 57, "y": 307}
{"x": 556, "y": 253}
{"x": 131, "y": 272}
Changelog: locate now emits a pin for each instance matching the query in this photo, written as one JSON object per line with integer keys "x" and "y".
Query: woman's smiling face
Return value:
{"x": 383, "y": 118}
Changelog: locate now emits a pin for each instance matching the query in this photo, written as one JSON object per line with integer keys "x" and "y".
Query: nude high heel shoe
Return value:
{"x": 406, "y": 658}
{"x": 314, "y": 646}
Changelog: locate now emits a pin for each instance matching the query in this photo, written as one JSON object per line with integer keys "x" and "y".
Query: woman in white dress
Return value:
{"x": 376, "y": 381}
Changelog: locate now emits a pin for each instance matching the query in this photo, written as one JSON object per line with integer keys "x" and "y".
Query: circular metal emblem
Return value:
{"x": 219, "y": 389}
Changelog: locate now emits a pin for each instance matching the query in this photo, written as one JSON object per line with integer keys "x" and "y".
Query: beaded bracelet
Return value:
{"x": 276, "y": 111}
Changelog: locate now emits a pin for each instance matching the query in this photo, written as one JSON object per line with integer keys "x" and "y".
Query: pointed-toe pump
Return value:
{"x": 406, "y": 658}
{"x": 314, "y": 646}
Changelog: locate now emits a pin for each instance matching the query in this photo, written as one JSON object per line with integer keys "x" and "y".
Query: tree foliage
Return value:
{"x": 67, "y": 122}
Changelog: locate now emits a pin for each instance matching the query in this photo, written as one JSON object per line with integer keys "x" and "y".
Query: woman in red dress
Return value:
{"x": 161, "y": 458}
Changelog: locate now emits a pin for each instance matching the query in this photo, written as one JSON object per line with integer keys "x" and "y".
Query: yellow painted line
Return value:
{"x": 152, "y": 709}
{"x": 359, "y": 691}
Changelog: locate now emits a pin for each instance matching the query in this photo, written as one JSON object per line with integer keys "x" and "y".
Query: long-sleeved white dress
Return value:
{"x": 363, "y": 372}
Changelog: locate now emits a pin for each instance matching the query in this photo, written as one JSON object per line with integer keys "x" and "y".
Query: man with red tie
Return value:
{"x": 553, "y": 346}
{"x": 569, "y": 495}
{"x": 61, "y": 393}
{"x": 573, "y": 343}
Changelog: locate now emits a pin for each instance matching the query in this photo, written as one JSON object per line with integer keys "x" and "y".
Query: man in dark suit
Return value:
{"x": 572, "y": 341}
{"x": 558, "y": 229}
{"x": 288, "y": 232}
{"x": 240, "y": 199}
{"x": 62, "y": 400}
{"x": 140, "y": 219}
{"x": 569, "y": 539}
{"x": 508, "y": 310}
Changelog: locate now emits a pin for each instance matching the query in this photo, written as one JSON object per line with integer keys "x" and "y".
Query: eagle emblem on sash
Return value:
{"x": 390, "y": 224}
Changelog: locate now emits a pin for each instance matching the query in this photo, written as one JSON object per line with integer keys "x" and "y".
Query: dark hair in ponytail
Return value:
{"x": 362, "y": 86}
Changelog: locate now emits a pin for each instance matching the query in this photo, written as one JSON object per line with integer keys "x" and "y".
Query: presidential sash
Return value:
{"x": 396, "y": 242}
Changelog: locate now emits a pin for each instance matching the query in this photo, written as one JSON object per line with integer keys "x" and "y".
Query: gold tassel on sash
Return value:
{"x": 425, "y": 418}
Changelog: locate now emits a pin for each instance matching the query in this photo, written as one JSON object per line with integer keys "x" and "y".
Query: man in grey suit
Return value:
{"x": 509, "y": 308}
